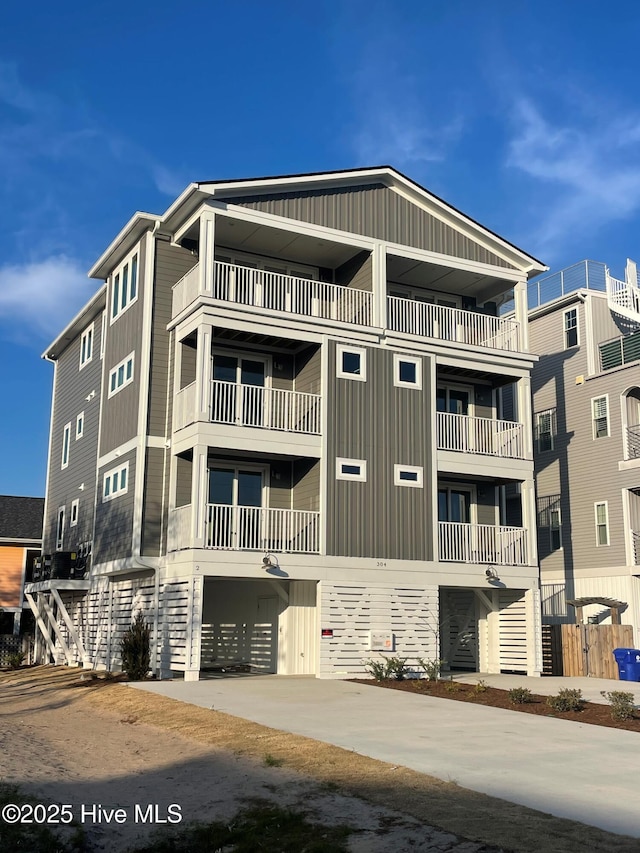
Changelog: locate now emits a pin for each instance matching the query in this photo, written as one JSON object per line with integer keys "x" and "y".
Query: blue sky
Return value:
{"x": 523, "y": 115}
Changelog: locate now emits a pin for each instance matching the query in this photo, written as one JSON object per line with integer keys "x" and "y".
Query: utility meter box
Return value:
{"x": 381, "y": 641}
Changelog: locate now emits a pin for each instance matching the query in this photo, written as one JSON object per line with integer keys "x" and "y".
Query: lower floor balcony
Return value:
{"x": 495, "y": 545}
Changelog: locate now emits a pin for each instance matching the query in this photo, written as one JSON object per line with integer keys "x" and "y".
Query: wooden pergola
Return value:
{"x": 609, "y": 603}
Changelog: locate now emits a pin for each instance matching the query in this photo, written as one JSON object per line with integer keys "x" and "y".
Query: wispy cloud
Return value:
{"x": 39, "y": 298}
{"x": 399, "y": 136}
{"x": 587, "y": 169}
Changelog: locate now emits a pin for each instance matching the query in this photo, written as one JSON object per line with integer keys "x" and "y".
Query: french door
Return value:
{"x": 239, "y": 395}
{"x": 234, "y": 517}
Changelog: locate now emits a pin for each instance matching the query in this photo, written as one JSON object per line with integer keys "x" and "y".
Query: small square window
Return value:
{"x": 351, "y": 363}
{"x": 408, "y": 475}
{"x": 407, "y": 371}
{"x": 351, "y": 469}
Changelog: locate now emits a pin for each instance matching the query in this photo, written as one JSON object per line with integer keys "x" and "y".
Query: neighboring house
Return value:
{"x": 20, "y": 540}
{"x": 278, "y": 432}
{"x": 585, "y": 326}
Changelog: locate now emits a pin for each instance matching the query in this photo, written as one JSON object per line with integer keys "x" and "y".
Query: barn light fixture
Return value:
{"x": 269, "y": 561}
{"x": 491, "y": 575}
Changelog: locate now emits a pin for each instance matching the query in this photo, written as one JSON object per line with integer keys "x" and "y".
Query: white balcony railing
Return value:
{"x": 269, "y": 408}
{"x": 179, "y": 528}
{"x": 451, "y": 324}
{"x": 185, "y": 291}
{"x": 483, "y": 436}
{"x": 251, "y": 528}
{"x": 482, "y": 543}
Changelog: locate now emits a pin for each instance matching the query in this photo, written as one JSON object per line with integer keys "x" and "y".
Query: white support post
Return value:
{"x": 203, "y": 373}
{"x": 493, "y": 630}
{"x": 54, "y": 624}
{"x": 199, "y": 494}
{"x": 522, "y": 313}
{"x": 206, "y": 253}
{"x": 524, "y": 414}
{"x": 379, "y": 285}
{"x": 194, "y": 632}
{"x": 75, "y": 636}
{"x": 534, "y": 631}
{"x": 529, "y": 520}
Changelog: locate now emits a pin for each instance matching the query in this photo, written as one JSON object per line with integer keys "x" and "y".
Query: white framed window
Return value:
{"x": 351, "y": 363}
{"x": 124, "y": 286}
{"x": 351, "y": 469}
{"x": 80, "y": 426}
{"x": 121, "y": 375}
{"x": 555, "y": 529}
{"x": 545, "y": 430}
{"x": 103, "y": 333}
{"x": 86, "y": 346}
{"x": 60, "y": 528}
{"x": 407, "y": 371}
{"x": 115, "y": 482}
{"x": 602, "y": 522}
{"x": 408, "y": 475}
{"x": 550, "y": 521}
{"x": 73, "y": 518}
{"x": 600, "y": 416}
{"x": 570, "y": 320}
{"x": 66, "y": 441}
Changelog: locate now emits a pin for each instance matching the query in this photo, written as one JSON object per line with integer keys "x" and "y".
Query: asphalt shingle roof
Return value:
{"x": 21, "y": 518}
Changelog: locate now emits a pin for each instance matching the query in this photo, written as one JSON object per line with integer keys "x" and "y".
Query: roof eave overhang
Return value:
{"x": 82, "y": 318}
{"x": 134, "y": 229}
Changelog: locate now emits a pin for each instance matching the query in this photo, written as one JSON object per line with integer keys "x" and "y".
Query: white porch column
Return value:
{"x": 534, "y": 631}
{"x": 524, "y": 414}
{"x": 529, "y": 520}
{"x": 194, "y": 629}
{"x": 379, "y": 285}
{"x": 206, "y": 268}
{"x": 203, "y": 372}
{"x": 522, "y": 313}
{"x": 16, "y": 623}
{"x": 199, "y": 494}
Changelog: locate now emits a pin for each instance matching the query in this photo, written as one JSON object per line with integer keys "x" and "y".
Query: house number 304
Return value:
{"x": 381, "y": 564}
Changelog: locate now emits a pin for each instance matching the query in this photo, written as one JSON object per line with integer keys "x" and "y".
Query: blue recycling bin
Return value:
{"x": 628, "y": 661}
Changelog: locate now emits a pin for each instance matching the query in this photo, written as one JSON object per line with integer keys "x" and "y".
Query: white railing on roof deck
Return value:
{"x": 451, "y": 324}
{"x": 184, "y": 406}
{"x": 254, "y": 528}
{"x": 290, "y": 294}
{"x": 623, "y": 293}
{"x": 485, "y": 436}
{"x": 482, "y": 543}
{"x": 268, "y": 408}
{"x": 185, "y": 291}
{"x": 179, "y": 528}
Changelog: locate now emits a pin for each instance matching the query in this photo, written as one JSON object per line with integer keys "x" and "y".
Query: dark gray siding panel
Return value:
{"x": 306, "y": 484}
{"x": 374, "y": 211}
{"x": 124, "y": 335}
{"x": 153, "y": 497}
{"x": 171, "y": 262}
{"x": 77, "y": 480}
{"x": 385, "y": 425}
{"x": 309, "y": 371}
{"x": 114, "y": 518}
{"x": 183, "y": 481}
{"x": 280, "y": 485}
{"x": 358, "y": 272}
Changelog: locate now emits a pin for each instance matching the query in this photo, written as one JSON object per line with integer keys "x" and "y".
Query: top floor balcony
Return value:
{"x": 287, "y": 294}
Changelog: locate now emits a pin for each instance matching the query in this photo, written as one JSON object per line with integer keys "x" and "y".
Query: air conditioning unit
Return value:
{"x": 62, "y": 563}
{"x": 46, "y": 567}
{"x": 38, "y": 569}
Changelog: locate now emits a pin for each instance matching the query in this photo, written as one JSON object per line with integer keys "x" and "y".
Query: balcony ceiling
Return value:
{"x": 445, "y": 279}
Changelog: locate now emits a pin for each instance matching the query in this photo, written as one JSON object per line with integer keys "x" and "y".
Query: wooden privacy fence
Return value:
{"x": 580, "y": 650}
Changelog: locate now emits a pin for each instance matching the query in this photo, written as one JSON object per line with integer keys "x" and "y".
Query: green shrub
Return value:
{"x": 520, "y": 695}
{"x": 135, "y": 647}
{"x": 622, "y": 704}
{"x": 431, "y": 668}
{"x": 15, "y": 660}
{"x": 480, "y": 686}
{"x": 377, "y": 669}
{"x": 397, "y": 668}
{"x": 566, "y": 700}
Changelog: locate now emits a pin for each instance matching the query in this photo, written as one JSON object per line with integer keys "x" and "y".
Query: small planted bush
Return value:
{"x": 566, "y": 700}
{"x": 431, "y": 668}
{"x": 377, "y": 669}
{"x": 480, "y": 686}
{"x": 135, "y": 648}
{"x": 15, "y": 660}
{"x": 520, "y": 695}
{"x": 397, "y": 668}
{"x": 622, "y": 704}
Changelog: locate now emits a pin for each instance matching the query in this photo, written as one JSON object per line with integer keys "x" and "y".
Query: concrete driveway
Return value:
{"x": 586, "y": 773}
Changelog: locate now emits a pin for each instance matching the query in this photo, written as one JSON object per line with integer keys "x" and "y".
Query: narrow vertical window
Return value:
{"x": 86, "y": 346}
{"x": 602, "y": 523}
{"x": 545, "y": 428}
{"x": 571, "y": 328}
{"x": 116, "y": 295}
{"x": 133, "y": 290}
{"x": 600, "y": 415}
{"x": 80, "y": 426}
{"x": 60, "y": 529}
{"x": 66, "y": 440}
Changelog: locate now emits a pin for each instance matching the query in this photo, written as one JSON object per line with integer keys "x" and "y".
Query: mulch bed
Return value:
{"x": 591, "y": 713}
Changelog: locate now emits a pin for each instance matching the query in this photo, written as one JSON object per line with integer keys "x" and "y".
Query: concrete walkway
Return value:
{"x": 573, "y": 770}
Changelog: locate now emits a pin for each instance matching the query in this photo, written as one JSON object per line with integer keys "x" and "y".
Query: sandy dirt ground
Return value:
{"x": 101, "y": 745}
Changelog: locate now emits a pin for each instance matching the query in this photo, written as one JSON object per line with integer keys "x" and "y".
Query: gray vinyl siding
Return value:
{"x": 309, "y": 371}
{"x": 77, "y": 480}
{"x": 114, "y": 518}
{"x": 486, "y": 505}
{"x": 153, "y": 501}
{"x": 358, "y": 272}
{"x": 282, "y": 372}
{"x": 306, "y": 484}
{"x": 280, "y": 485}
{"x": 373, "y": 211}
{"x": 604, "y": 324}
{"x": 188, "y": 364}
{"x": 124, "y": 335}
{"x": 171, "y": 264}
{"x": 183, "y": 481}
{"x": 581, "y": 469}
{"x": 384, "y": 425}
